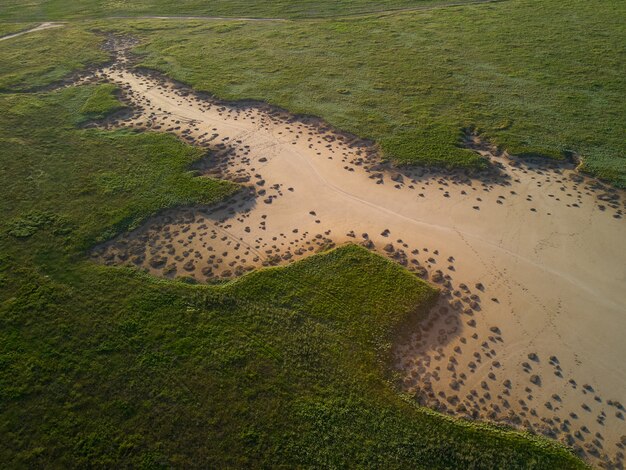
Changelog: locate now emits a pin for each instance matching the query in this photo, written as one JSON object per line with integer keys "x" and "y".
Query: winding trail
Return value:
{"x": 41, "y": 27}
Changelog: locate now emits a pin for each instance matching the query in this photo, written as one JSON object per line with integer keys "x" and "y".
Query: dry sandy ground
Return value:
{"x": 532, "y": 260}
{"x": 41, "y": 27}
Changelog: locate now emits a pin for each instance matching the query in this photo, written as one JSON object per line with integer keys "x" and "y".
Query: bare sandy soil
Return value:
{"x": 41, "y": 27}
{"x": 531, "y": 258}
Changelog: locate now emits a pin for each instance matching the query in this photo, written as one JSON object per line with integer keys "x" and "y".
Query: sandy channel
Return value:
{"x": 531, "y": 259}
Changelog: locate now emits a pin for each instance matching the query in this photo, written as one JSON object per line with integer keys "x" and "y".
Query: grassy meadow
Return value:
{"x": 413, "y": 81}
{"x": 35, "y": 60}
{"x": 105, "y": 366}
{"x": 37, "y": 10}
{"x": 110, "y": 367}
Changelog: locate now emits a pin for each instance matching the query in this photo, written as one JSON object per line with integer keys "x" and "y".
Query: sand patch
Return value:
{"x": 531, "y": 258}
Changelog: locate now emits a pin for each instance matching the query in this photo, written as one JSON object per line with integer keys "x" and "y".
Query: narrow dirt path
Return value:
{"x": 41, "y": 27}
{"x": 531, "y": 259}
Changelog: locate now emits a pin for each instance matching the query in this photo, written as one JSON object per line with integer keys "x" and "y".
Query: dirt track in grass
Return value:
{"x": 41, "y": 27}
{"x": 531, "y": 257}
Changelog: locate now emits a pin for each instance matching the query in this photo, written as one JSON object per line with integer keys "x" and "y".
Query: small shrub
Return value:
{"x": 28, "y": 224}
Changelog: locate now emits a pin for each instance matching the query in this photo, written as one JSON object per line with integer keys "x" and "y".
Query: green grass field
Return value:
{"x": 411, "y": 81}
{"x": 414, "y": 81}
{"x": 38, "y": 59}
{"x": 80, "y": 9}
{"x": 109, "y": 367}
{"x": 287, "y": 366}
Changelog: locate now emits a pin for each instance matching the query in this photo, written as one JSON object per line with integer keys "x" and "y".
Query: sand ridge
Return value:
{"x": 531, "y": 259}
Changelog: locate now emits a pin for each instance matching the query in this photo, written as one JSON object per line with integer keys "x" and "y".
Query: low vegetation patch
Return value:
{"x": 28, "y": 224}
{"x": 101, "y": 103}
{"x": 35, "y": 60}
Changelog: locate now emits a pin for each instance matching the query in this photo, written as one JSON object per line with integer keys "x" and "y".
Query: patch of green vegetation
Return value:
{"x": 29, "y": 223}
{"x": 101, "y": 103}
{"x": 37, "y": 59}
{"x": 110, "y": 367}
{"x": 72, "y": 9}
{"x": 280, "y": 368}
{"x": 432, "y": 145}
{"x": 123, "y": 176}
{"x": 528, "y": 82}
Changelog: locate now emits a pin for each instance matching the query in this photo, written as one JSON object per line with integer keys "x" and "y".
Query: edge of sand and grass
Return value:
{"x": 441, "y": 73}
{"x": 89, "y": 185}
{"x": 436, "y": 141}
{"x": 47, "y": 263}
